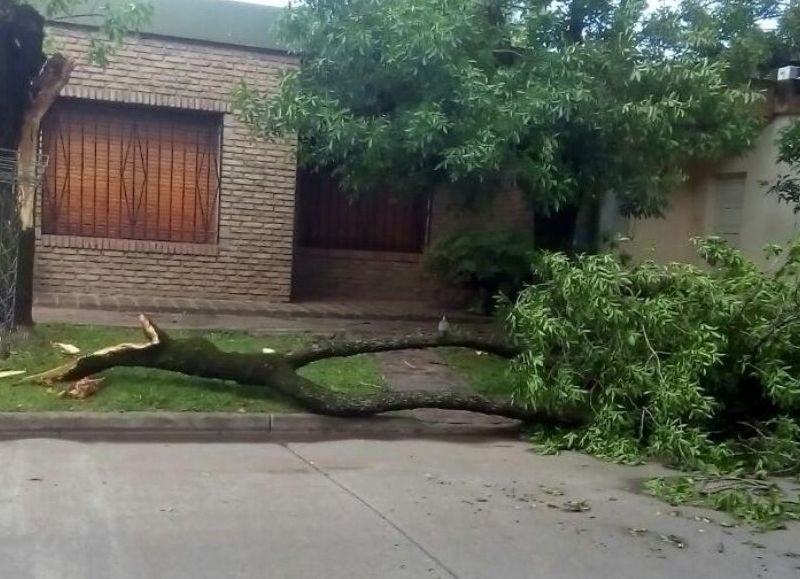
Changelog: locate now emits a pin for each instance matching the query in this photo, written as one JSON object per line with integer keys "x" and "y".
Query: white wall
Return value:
{"x": 764, "y": 219}
{"x": 694, "y": 210}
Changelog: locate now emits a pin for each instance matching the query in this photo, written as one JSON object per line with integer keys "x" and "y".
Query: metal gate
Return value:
{"x": 329, "y": 218}
{"x": 10, "y": 178}
{"x": 9, "y": 240}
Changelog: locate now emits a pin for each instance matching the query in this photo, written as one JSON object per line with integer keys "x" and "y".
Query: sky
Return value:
{"x": 653, "y": 3}
{"x": 267, "y": 2}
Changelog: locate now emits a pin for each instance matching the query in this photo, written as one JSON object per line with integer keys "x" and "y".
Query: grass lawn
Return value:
{"x": 132, "y": 389}
{"x": 483, "y": 372}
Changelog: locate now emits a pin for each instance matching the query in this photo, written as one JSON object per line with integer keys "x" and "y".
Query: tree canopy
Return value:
{"x": 569, "y": 100}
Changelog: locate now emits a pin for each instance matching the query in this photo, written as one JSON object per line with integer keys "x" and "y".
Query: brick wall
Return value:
{"x": 503, "y": 210}
{"x": 253, "y": 258}
{"x": 342, "y": 274}
{"x": 370, "y": 275}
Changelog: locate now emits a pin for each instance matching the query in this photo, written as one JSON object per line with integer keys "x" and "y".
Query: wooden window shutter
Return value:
{"x": 131, "y": 172}
{"x": 729, "y": 195}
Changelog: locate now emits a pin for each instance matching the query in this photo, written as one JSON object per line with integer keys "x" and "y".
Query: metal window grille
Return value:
{"x": 131, "y": 172}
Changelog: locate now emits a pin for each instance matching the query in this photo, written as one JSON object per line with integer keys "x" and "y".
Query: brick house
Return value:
{"x": 153, "y": 187}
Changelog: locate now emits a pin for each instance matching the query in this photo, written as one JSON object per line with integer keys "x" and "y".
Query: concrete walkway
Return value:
{"x": 353, "y": 509}
{"x": 323, "y": 327}
{"x": 321, "y": 319}
{"x": 420, "y": 370}
{"x": 425, "y": 370}
{"x": 354, "y": 310}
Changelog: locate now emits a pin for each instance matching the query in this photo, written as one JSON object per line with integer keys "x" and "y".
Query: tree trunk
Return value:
{"x": 198, "y": 357}
{"x": 21, "y": 59}
{"x": 555, "y": 232}
{"x": 53, "y": 77}
{"x": 586, "y": 233}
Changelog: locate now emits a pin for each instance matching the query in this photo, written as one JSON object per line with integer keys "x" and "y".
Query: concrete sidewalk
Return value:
{"x": 353, "y": 509}
{"x": 419, "y": 311}
{"x": 362, "y": 323}
{"x": 255, "y": 323}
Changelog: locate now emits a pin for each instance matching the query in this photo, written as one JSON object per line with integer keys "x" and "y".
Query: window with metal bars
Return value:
{"x": 329, "y": 218}
{"x": 131, "y": 172}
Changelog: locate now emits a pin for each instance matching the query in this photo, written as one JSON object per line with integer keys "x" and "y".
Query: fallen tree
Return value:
{"x": 278, "y": 372}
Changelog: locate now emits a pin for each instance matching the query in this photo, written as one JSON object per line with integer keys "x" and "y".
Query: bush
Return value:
{"x": 695, "y": 366}
{"x": 485, "y": 263}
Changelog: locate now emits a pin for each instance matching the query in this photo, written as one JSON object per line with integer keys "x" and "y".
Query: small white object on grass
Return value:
{"x": 267, "y": 351}
{"x": 444, "y": 326}
{"x": 10, "y": 373}
{"x": 67, "y": 348}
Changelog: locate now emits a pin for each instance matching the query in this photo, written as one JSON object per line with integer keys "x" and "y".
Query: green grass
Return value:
{"x": 139, "y": 389}
{"x": 483, "y": 372}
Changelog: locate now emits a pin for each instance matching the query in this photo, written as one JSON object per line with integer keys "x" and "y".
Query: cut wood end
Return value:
{"x": 150, "y": 329}
{"x": 83, "y": 388}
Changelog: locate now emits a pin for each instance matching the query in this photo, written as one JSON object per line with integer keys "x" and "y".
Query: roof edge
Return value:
{"x": 224, "y": 22}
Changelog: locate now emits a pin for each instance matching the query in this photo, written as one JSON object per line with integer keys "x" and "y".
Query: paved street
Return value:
{"x": 351, "y": 509}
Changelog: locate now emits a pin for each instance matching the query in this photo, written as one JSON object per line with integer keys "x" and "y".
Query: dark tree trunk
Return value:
{"x": 23, "y": 298}
{"x": 21, "y": 61}
{"x": 21, "y": 58}
{"x": 278, "y": 372}
{"x": 555, "y": 232}
{"x": 587, "y": 222}
{"x": 43, "y": 91}
{"x": 574, "y": 229}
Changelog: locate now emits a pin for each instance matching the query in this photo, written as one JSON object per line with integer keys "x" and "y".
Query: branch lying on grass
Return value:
{"x": 339, "y": 349}
{"x": 199, "y": 357}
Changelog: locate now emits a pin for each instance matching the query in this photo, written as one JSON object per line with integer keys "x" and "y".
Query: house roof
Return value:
{"x": 220, "y": 21}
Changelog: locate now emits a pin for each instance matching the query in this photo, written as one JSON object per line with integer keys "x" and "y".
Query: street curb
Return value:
{"x": 224, "y": 424}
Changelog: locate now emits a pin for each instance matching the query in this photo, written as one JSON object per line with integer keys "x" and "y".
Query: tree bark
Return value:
{"x": 53, "y": 77}
{"x": 21, "y": 59}
{"x": 198, "y": 357}
{"x": 586, "y": 226}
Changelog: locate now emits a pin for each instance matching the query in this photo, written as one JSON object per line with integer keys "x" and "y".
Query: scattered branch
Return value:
{"x": 67, "y": 17}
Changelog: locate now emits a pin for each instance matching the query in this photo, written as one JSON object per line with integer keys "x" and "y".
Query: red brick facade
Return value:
{"x": 344, "y": 274}
{"x": 369, "y": 275}
{"x": 253, "y": 256}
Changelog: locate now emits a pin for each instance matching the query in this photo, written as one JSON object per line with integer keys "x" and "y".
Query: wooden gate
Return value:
{"x": 330, "y": 218}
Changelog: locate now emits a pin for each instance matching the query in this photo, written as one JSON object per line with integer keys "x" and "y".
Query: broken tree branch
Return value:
{"x": 199, "y": 357}
{"x": 339, "y": 349}
{"x": 119, "y": 355}
{"x": 53, "y": 77}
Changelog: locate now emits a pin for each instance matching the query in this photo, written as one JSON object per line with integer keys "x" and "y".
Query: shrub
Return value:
{"x": 486, "y": 263}
{"x": 695, "y": 366}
